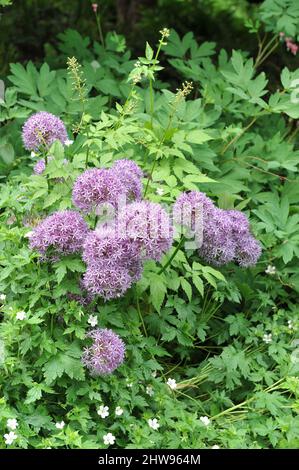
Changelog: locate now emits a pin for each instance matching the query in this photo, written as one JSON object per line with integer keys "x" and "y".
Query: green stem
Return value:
{"x": 52, "y": 324}
{"x": 173, "y": 255}
{"x": 151, "y": 89}
{"x": 262, "y": 56}
{"x": 98, "y": 20}
{"x": 140, "y": 315}
{"x": 237, "y": 137}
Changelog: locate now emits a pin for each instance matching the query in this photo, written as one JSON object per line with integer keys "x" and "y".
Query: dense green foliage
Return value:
{"x": 228, "y": 335}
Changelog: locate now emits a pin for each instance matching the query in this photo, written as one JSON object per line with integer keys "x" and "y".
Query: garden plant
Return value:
{"x": 149, "y": 209}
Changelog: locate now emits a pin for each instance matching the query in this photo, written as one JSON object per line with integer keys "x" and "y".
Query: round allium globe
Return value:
{"x": 64, "y": 231}
{"x": 96, "y": 187}
{"x": 225, "y": 234}
{"x": 106, "y": 247}
{"x": 191, "y": 209}
{"x": 106, "y": 353}
{"x": 130, "y": 174}
{"x": 218, "y": 245}
{"x": 148, "y": 226}
{"x": 108, "y": 282}
{"x": 248, "y": 251}
{"x": 42, "y": 129}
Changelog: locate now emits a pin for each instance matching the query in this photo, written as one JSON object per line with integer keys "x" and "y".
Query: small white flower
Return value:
{"x": 33, "y": 154}
{"x": 130, "y": 384}
{"x": 21, "y": 315}
{"x": 267, "y": 338}
{"x": 92, "y": 320}
{"x": 118, "y": 411}
{"x": 271, "y": 270}
{"x": 149, "y": 390}
{"x": 68, "y": 142}
{"x": 28, "y": 234}
{"x": 172, "y": 384}
{"x": 2, "y": 297}
{"x": 153, "y": 423}
{"x": 291, "y": 325}
{"x": 60, "y": 425}
{"x": 137, "y": 64}
{"x": 10, "y": 437}
{"x": 103, "y": 411}
{"x": 12, "y": 423}
{"x": 205, "y": 420}
{"x": 160, "y": 191}
{"x": 109, "y": 439}
{"x": 215, "y": 447}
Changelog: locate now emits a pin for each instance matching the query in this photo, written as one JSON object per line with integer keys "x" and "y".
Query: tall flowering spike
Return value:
{"x": 106, "y": 353}
{"x": 95, "y": 187}
{"x": 42, "y": 129}
{"x": 148, "y": 225}
{"x": 130, "y": 174}
{"x": 63, "y": 231}
{"x": 108, "y": 282}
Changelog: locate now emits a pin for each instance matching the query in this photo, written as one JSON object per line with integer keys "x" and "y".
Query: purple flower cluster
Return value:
{"x": 106, "y": 353}
{"x": 39, "y": 167}
{"x": 42, "y": 129}
{"x": 99, "y": 186}
{"x": 114, "y": 253}
{"x": 226, "y": 234}
{"x": 148, "y": 226}
{"x": 64, "y": 231}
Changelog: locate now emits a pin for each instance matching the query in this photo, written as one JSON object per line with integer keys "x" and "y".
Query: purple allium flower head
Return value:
{"x": 225, "y": 233}
{"x": 106, "y": 353}
{"x": 248, "y": 251}
{"x": 108, "y": 282}
{"x": 106, "y": 247}
{"x": 128, "y": 166}
{"x": 64, "y": 231}
{"x": 239, "y": 222}
{"x": 130, "y": 174}
{"x": 218, "y": 246}
{"x": 95, "y": 187}
{"x": 42, "y": 129}
{"x": 148, "y": 226}
{"x": 191, "y": 209}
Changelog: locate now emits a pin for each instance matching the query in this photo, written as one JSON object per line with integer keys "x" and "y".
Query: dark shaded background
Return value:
{"x": 28, "y": 27}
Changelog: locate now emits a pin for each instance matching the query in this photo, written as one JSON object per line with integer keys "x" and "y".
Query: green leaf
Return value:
{"x": 149, "y": 53}
{"x": 198, "y": 137}
{"x": 7, "y": 153}
{"x": 186, "y": 288}
{"x": 158, "y": 290}
{"x": 33, "y": 394}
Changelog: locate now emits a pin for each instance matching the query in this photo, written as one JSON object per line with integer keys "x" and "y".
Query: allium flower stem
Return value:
{"x": 181, "y": 242}
{"x": 140, "y": 314}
